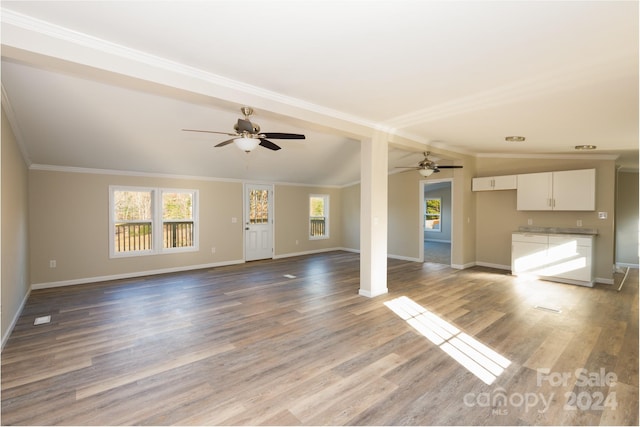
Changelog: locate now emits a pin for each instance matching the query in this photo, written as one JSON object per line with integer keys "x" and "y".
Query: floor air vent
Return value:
{"x": 551, "y": 309}
{"x": 42, "y": 320}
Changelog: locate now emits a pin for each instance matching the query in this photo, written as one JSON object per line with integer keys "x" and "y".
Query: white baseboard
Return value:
{"x": 404, "y": 258}
{"x": 490, "y": 265}
{"x": 603, "y": 281}
{"x": 368, "y": 294}
{"x": 7, "y": 334}
{"x": 625, "y": 265}
{"x": 131, "y": 275}
{"x": 316, "y": 251}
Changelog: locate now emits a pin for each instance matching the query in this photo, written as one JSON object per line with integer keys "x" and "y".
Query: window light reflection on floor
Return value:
{"x": 476, "y": 357}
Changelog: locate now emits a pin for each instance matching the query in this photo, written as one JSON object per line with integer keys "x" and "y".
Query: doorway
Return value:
{"x": 258, "y": 222}
{"x": 436, "y": 221}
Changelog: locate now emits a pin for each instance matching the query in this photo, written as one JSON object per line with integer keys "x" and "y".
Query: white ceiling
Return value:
{"x": 110, "y": 85}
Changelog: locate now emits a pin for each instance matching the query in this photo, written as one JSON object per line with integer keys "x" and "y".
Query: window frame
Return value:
{"x": 426, "y": 203}
{"x": 326, "y": 205}
{"x": 157, "y": 221}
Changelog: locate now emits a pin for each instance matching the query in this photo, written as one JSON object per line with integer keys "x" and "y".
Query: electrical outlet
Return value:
{"x": 602, "y": 215}
{"x": 529, "y": 221}
{"x": 296, "y": 242}
{"x": 579, "y": 223}
{"x": 213, "y": 250}
{"x": 52, "y": 263}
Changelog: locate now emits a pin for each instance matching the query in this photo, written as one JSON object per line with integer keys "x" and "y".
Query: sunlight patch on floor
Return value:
{"x": 476, "y": 357}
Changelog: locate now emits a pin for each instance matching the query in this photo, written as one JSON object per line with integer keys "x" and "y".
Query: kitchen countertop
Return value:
{"x": 558, "y": 230}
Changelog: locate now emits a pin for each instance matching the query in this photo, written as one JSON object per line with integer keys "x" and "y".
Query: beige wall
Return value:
{"x": 291, "y": 231}
{"x": 15, "y": 229}
{"x": 404, "y": 239}
{"x": 69, "y": 217}
{"x": 350, "y": 217}
{"x": 497, "y": 217}
{"x": 69, "y": 223}
{"x": 627, "y": 219}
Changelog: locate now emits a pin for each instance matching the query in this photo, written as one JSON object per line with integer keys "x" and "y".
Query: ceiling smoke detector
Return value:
{"x": 514, "y": 138}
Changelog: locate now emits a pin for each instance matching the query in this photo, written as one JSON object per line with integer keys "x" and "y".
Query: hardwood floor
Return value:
{"x": 245, "y": 345}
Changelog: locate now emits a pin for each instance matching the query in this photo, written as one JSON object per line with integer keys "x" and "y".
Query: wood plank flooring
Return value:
{"x": 245, "y": 345}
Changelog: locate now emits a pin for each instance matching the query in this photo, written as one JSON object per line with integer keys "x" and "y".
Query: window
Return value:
{"x": 259, "y": 207}
{"x": 177, "y": 219}
{"x": 319, "y": 216}
{"x": 432, "y": 214}
{"x": 145, "y": 221}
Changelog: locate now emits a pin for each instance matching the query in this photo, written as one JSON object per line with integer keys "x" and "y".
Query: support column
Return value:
{"x": 374, "y": 158}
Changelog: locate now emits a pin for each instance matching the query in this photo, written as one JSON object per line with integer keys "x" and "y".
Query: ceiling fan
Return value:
{"x": 247, "y": 135}
{"x": 426, "y": 167}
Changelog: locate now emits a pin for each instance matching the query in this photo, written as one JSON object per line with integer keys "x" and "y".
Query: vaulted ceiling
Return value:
{"x": 109, "y": 85}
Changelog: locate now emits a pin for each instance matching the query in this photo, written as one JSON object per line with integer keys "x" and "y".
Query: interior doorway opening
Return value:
{"x": 436, "y": 225}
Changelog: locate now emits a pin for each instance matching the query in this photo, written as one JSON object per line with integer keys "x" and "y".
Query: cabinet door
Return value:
{"x": 528, "y": 253}
{"x": 574, "y": 190}
{"x": 482, "y": 184}
{"x": 505, "y": 182}
{"x": 534, "y": 192}
{"x": 571, "y": 258}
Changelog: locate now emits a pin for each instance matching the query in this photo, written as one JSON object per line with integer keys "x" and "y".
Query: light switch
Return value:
{"x": 602, "y": 215}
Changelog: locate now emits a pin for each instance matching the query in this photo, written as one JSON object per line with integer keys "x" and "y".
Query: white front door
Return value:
{"x": 258, "y": 222}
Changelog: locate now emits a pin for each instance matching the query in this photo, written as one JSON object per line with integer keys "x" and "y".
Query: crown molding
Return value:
{"x": 76, "y": 41}
{"x": 547, "y": 156}
{"x": 115, "y": 172}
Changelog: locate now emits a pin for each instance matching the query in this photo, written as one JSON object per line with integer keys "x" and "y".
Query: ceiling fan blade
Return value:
{"x": 223, "y": 143}
{"x": 448, "y": 167}
{"x": 283, "y": 135}
{"x": 268, "y": 144}
{"x": 407, "y": 167}
{"x": 245, "y": 126}
{"x": 209, "y": 131}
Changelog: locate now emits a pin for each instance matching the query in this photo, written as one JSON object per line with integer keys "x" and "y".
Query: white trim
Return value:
{"x": 311, "y": 252}
{"x": 490, "y": 265}
{"x": 82, "y": 40}
{"x": 436, "y": 240}
{"x": 73, "y": 169}
{"x": 368, "y": 294}
{"x": 422, "y": 189}
{"x": 548, "y": 156}
{"x": 6, "y": 336}
{"x": 463, "y": 266}
{"x": 626, "y": 264}
{"x": 404, "y": 258}
{"x": 327, "y": 215}
{"x": 95, "y": 279}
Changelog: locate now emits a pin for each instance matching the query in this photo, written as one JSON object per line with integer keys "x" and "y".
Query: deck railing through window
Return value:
{"x": 177, "y": 234}
{"x": 317, "y": 226}
{"x": 136, "y": 236}
{"x": 133, "y": 236}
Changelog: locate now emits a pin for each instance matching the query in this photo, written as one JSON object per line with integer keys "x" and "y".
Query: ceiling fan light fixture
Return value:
{"x": 425, "y": 172}
{"x": 246, "y": 144}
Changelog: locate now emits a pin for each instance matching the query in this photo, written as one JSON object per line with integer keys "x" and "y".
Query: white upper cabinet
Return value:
{"x": 490, "y": 183}
{"x": 561, "y": 191}
{"x": 575, "y": 190}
